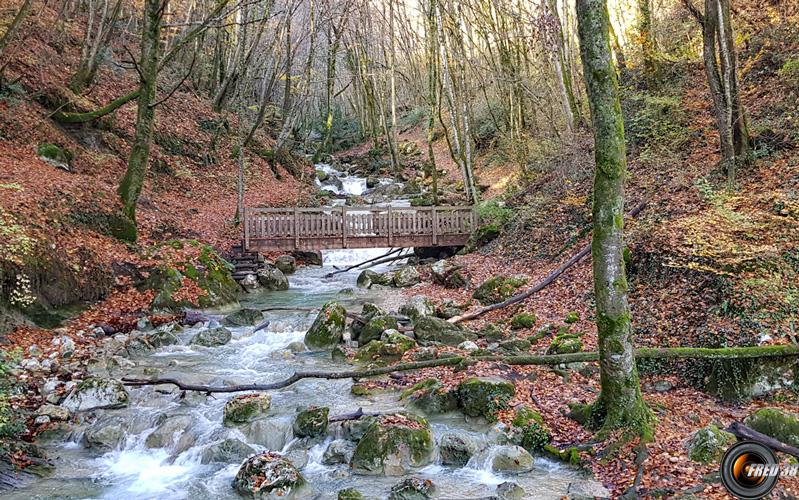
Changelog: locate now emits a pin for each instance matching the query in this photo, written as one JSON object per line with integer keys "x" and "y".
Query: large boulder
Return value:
{"x": 228, "y": 451}
{"x": 271, "y": 433}
{"x": 243, "y": 317}
{"x": 455, "y": 450}
{"x": 286, "y": 263}
{"x": 269, "y": 475}
{"x": 431, "y": 330}
{"x": 393, "y": 444}
{"x": 272, "y": 278}
{"x": 431, "y": 397}
{"x": 405, "y": 277}
{"x": 368, "y": 278}
{"x": 484, "y": 396}
{"x": 449, "y": 275}
{"x": 418, "y": 306}
{"x": 311, "y": 422}
{"x": 96, "y": 394}
{"x": 708, "y": 444}
{"x": 246, "y": 408}
{"x": 368, "y": 312}
{"x": 497, "y": 289}
{"x": 212, "y": 337}
{"x": 374, "y": 328}
{"x": 313, "y": 258}
{"x": 511, "y": 458}
{"x": 328, "y": 327}
{"x": 105, "y": 435}
{"x": 776, "y": 423}
{"x": 412, "y": 488}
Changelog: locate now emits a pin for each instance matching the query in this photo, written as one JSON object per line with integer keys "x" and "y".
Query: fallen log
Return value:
{"x": 518, "y": 360}
{"x": 355, "y": 266}
{"x": 548, "y": 280}
{"x": 743, "y": 432}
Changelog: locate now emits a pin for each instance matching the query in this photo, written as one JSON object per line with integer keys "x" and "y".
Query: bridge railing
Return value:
{"x": 357, "y": 227}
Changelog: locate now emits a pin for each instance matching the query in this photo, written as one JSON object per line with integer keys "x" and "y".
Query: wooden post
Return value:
{"x": 390, "y": 227}
{"x": 435, "y": 227}
{"x": 343, "y": 226}
{"x": 296, "y": 229}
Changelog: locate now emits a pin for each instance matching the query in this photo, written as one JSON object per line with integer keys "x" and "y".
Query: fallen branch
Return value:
{"x": 354, "y": 415}
{"x": 532, "y": 359}
{"x": 743, "y": 432}
{"x": 387, "y": 259}
{"x": 548, "y": 280}
{"x": 354, "y": 266}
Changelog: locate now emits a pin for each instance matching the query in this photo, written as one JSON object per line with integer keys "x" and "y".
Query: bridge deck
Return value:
{"x": 286, "y": 229}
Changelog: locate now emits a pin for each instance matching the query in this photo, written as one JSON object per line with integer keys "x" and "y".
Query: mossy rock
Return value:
{"x": 572, "y": 317}
{"x": 492, "y": 332}
{"x": 565, "y": 344}
{"x": 570, "y": 455}
{"x": 456, "y": 449}
{"x": 417, "y": 306}
{"x": 375, "y": 327}
{"x": 311, "y": 422}
{"x": 525, "y": 416}
{"x": 484, "y": 235}
{"x": 515, "y": 346}
{"x": 392, "y": 444}
{"x": 776, "y": 423}
{"x": 533, "y": 430}
{"x": 431, "y": 397}
{"x": 382, "y": 351}
{"x": 497, "y": 289}
{"x": 484, "y": 396}
{"x": 328, "y": 327}
{"x": 367, "y": 278}
{"x": 55, "y": 154}
{"x": 523, "y": 320}
{"x": 707, "y": 445}
{"x": 212, "y": 337}
{"x": 350, "y": 494}
{"x": 246, "y": 408}
{"x": 412, "y": 488}
{"x": 269, "y": 475}
{"x": 431, "y": 330}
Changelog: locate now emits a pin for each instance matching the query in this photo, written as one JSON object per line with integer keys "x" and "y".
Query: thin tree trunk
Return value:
{"x": 131, "y": 184}
{"x": 8, "y": 36}
{"x": 619, "y": 404}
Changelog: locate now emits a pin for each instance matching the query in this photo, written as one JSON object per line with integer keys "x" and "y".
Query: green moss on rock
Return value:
{"x": 484, "y": 396}
{"x": 245, "y": 408}
{"x": 375, "y": 327}
{"x": 350, "y": 494}
{"x": 311, "y": 422}
{"x": 776, "y": 423}
{"x": 431, "y": 397}
{"x": 707, "y": 445}
{"x": 382, "y": 351}
{"x": 269, "y": 475}
{"x": 431, "y": 330}
{"x": 523, "y": 320}
{"x": 328, "y": 327}
{"x": 392, "y": 444}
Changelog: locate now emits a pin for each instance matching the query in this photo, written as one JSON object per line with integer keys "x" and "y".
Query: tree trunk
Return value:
{"x": 619, "y": 404}
{"x": 22, "y": 13}
{"x": 131, "y": 184}
{"x": 647, "y": 41}
{"x": 432, "y": 93}
{"x": 95, "y": 40}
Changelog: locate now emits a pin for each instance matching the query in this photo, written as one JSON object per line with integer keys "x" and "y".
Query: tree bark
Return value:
{"x": 131, "y": 184}
{"x": 8, "y": 36}
{"x": 619, "y": 404}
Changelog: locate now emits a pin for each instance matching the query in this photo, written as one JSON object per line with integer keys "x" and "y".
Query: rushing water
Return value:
{"x": 134, "y": 471}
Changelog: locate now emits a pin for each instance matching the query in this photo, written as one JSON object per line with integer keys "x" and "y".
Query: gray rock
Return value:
{"x": 243, "y": 317}
{"x": 455, "y": 449}
{"x": 105, "y": 435}
{"x": 430, "y": 330}
{"x": 212, "y": 337}
{"x": 662, "y": 386}
{"x": 53, "y": 412}
{"x": 510, "y": 491}
{"x": 311, "y": 422}
{"x": 272, "y": 278}
{"x": 587, "y": 489}
{"x": 246, "y": 408}
{"x": 270, "y": 433}
{"x": 449, "y": 275}
{"x": 512, "y": 459}
{"x": 468, "y": 346}
{"x": 327, "y": 329}
{"x": 286, "y": 263}
{"x": 412, "y": 488}
{"x": 407, "y": 276}
{"x": 41, "y": 420}
{"x": 418, "y": 306}
{"x": 96, "y": 393}
{"x": 338, "y": 452}
{"x": 169, "y": 432}
{"x": 296, "y": 347}
{"x": 228, "y": 451}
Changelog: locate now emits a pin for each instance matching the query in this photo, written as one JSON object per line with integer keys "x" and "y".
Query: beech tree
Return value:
{"x": 620, "y": 404}
{"x": 131, "y": 184}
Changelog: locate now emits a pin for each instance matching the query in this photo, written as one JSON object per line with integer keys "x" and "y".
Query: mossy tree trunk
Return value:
{"x": 431, "y": 40}
{"x": 131, "y": 184}
{"x": 647, "y": 41}
{"x": 620, "y": 404}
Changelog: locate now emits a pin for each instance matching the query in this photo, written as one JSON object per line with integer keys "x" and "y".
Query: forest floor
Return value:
{"x": 698, "y": 253}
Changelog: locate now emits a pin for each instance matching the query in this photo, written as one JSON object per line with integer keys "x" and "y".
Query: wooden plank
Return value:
{"x": 435, "y": 227}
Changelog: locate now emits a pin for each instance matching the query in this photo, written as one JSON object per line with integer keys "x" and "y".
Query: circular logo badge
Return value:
{"x": 749, "y": 470}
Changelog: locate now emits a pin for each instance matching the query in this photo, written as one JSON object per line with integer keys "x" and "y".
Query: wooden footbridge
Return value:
{"x": 286, "y": 229}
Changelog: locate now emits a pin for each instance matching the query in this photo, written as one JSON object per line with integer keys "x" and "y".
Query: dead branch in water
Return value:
{"x": 355, "y": 266}
{"x": 464, "y": 361}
